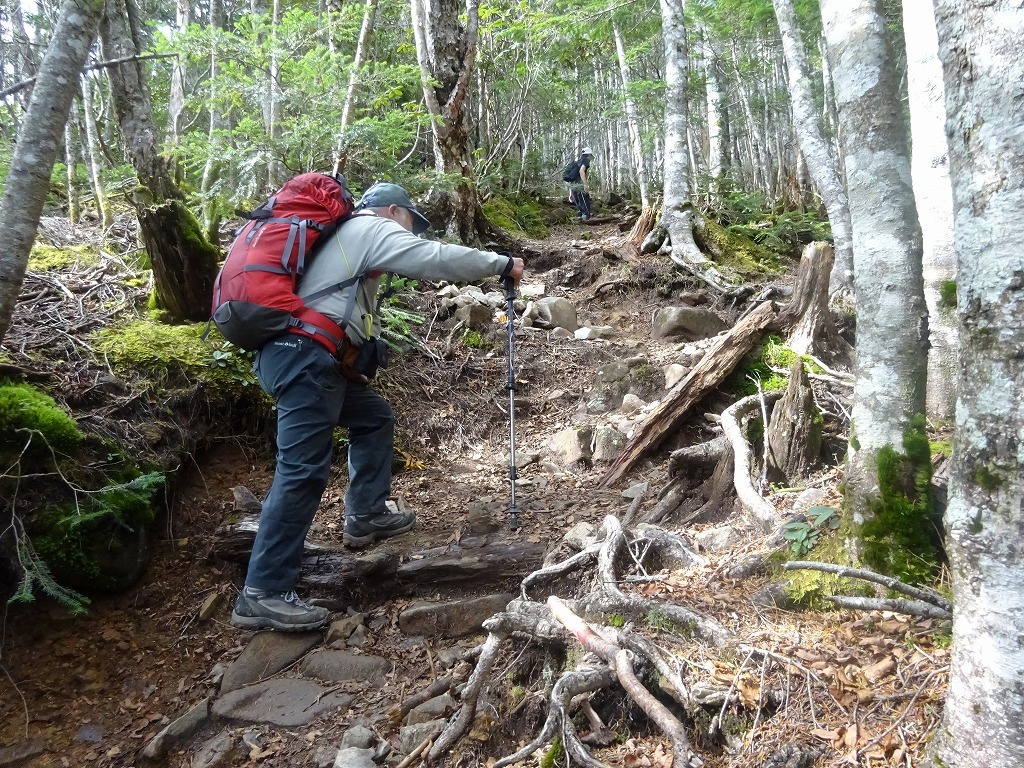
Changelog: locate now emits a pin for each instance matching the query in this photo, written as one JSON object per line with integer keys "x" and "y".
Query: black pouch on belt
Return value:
{"x": 361, "y": 363}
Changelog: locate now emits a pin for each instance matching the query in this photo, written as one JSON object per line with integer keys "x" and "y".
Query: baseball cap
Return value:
{"x": 587, "y": 151}
{"x": 382, "y": 194}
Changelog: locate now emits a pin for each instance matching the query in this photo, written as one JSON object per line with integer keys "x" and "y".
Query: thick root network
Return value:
{"x": 612, "y": 655}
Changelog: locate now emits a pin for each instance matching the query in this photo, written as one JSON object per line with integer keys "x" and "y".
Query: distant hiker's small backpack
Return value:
{"x": 254, "y": 296}
{"x": 571, "y": 172}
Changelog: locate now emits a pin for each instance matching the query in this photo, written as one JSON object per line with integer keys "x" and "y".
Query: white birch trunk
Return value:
{"x": 71, "y": 173}
{"x": 176, "y": 99}
{"x": 982, "y": 52}
{"x": 632, "y": 121}
{"x": 930, "y": 168}
{"x": 713, "y": 94}
{"x": 892, "y": 320}
{"x": 275, "y": 171}
{"x": 38, "y": 143}
{"x": 93, "y": 155}
{"x": 821, "y": 163}
{"x": 348, "y": 111}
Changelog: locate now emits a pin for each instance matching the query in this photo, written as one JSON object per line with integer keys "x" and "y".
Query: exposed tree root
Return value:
{"x": 559, "y": 720}
{"x": 620, "y": 660}
{"x": 755, "y": 504}
{"x": 554, "y": 623}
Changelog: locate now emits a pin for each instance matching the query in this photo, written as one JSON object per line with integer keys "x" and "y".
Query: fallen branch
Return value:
{"x": 896, "y": 605}
{"x": 925, "y": 595}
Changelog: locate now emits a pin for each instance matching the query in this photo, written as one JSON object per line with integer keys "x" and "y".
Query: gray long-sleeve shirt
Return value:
{"x": 368, "y": 243}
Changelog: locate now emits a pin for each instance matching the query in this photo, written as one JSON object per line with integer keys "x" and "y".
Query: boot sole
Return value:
{"x": 350, "y": 540}
{"x": 262, "y": 622}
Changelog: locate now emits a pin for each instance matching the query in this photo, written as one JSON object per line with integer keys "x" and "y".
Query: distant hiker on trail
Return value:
{"x": 316, "y": 388}
{"x": 575, "y": 174}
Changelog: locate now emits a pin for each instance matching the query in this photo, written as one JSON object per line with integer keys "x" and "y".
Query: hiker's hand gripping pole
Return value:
{"x": 510, "y": 296}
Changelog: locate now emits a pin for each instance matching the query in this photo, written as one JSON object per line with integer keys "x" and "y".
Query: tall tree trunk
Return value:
{"x": 821, "y": 163}
{"x": 930, "y": 167}
{"x": 892, "y": 319}
{"x": 632, "y": 120}
{"x": 39, "y": 141}
{"x": 982, "y": 54}
{"x": 93, "y": 154}
{"x": 211, "y": 169}
{"x": 447, "y": 52}
{"x": 348, "y": 111}
{"x": 176, "y": 99}
{"x": 677, "y": 216}
{"x": 184, "y": 263}
{"x": 71, "y": 172}
{"x": 275, "y": 170}
{"x": 713, "y": 93}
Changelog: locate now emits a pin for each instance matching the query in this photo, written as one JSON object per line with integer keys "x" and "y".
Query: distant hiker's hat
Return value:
{"x": 587, "y": 151}
{"x": 382, "y": 195}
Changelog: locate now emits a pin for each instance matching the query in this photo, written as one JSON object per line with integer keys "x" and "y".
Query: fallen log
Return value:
{"x": 406, "y": 564}
{"x": 711, "y": 371}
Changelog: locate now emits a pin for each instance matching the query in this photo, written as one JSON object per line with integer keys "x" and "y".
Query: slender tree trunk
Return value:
{"x": 211, "y": 169}
{"x": 71, "y": 172}
{"x": 821, "y": 162}
{"x": 892, "y": 319}
{"x": 348, "y": 111}
{"x": 275, "y": 170}
{"x": 176, "y": 99}
{"x": 632, "y": 121}
{"x": 930, "y": 167}
{"x": 38, "y": 144}
{"x": 713, "y": 93}
{"x": 93, "y": 154}
{"x": 982, "y": 54}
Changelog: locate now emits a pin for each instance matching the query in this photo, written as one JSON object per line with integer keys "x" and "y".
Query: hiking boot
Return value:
{"x": 257, "y": 609}
{"x": 363, "y": 531}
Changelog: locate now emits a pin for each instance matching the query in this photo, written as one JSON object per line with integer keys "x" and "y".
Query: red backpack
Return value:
{"x": 254, "y": 296}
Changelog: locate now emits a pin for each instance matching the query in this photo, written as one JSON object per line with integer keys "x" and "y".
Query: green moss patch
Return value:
{"x": 177, "y": 353}
{"x": 48, "y": 258}
{"x": 33, "y": 426}
{"x": 900, "y": 539}
{"x": 516, "y": 215}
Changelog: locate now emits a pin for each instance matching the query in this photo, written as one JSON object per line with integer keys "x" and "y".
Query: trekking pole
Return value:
{"x": 510, "y": 296}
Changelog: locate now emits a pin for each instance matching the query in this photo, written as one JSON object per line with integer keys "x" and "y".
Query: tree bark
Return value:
{"x": 93, "y": 154}
{"x": 184, "y": 263}
{"x": 38, "y": 144}
{"x": 677, "y": 215}
{"x": 982, "y": 54}
{"x": 348, "y": 111}
{"x": 892, "y": 319}
{"x": 930, "y": 168}
{"x": 447, "y": 52}
{"x": 632, "y": 121}
{"x": 821, "y": 162}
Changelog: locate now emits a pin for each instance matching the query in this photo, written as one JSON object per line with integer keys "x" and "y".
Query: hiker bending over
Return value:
{"x": 316, "y": 391}
{"x": 579, "y": 188}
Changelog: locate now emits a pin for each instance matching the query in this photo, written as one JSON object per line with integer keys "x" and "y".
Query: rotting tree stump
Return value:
{"x": 408, "y": 564}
